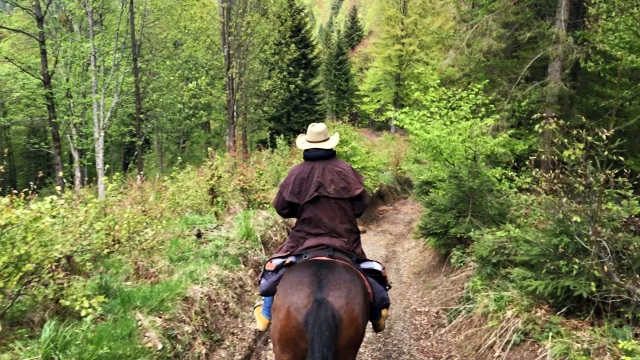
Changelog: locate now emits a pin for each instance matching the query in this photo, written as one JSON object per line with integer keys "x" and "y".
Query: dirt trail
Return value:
{"x": 422, "y": 286}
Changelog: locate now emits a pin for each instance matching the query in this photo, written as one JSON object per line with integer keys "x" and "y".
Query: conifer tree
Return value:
{"x": 295, "y": 66}
{"x": 339, "y": 83}
{"x": 353, "y": 32}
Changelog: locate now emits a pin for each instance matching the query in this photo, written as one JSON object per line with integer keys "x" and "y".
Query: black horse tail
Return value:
{"x": 322, "y": 323}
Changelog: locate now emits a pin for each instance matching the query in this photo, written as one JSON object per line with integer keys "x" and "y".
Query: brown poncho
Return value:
{"x": 326, "y": 197}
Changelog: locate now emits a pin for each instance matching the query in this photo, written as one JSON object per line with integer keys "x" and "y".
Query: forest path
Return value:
{"x": 422, "y": 286}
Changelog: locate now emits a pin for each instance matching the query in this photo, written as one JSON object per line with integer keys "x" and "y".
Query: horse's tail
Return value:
{"x": 322, "y": 323}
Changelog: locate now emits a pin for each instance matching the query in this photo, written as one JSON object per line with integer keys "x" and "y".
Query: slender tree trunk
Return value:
{"x": 83, "y": 138}
{"x": 136, "y": 83}
{"x": 159, "y": 149}
{"x": 100, "y": 117}
{"x": 11, "y": 181}
{"x": 75, "y": 153}
{"x": 554, "y": 77}
{"x": 393, "y": 117}
{"x": 98, "y": 128}
{"x": 225, "y": 7}
{"x": 56, "y": 144}
{"x": 245, "y": 125}
{"x": 73, "y": 146}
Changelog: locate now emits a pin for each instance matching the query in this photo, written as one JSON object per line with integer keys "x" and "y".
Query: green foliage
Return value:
{"x": 404, "y": 40}
{"x": 379, "y": 161}
{"x": 339, "y": 83}
{"x": 353, "y": 30}
{"x": 572, "y": 236}
{"x": 458, "y": 185}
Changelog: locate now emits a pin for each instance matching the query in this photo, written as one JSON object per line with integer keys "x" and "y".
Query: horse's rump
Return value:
{"x": 321, "y": 310}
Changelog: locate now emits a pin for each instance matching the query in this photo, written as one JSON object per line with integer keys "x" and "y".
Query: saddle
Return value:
{"x": 275, "y": 267}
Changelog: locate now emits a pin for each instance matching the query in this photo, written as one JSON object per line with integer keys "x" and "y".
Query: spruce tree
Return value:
{"x": 338, "y": 80}
{"x": 295, "y": 67}
{"x": 353, "y": 33}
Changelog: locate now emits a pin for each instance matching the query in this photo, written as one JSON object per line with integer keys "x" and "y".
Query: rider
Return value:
{"x": 326, "y": 195}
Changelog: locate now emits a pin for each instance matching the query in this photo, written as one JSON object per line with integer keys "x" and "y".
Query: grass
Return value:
{"x": 115, "y": 338}
{"x": 146, "y": 297}
{"x": 114, "y": 332}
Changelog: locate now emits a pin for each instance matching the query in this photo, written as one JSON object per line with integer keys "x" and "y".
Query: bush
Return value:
{"x": 454, "y": 208}
{"x": 572, "y": 237}
{"x": 379, "y": 160}
{"x": 457, "y": 159}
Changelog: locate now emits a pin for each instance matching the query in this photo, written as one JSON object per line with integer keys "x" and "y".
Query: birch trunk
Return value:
{"x": 98, "y": 130}
{"x": 100, "y": 116}
{"x": 136, "y": 83}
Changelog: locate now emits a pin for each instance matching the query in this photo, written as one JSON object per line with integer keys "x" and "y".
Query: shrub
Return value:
{"x": 457, "y": 159}
{"x": 572, "y": 237}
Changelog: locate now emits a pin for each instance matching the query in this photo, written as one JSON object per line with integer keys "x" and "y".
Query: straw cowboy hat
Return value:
{"x": 317, "y": 137}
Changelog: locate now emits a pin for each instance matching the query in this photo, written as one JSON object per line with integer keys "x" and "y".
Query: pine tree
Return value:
{"x": 295, "y": 67}
{"x": 338, "y": 80}
{"x": 353, "y": 33}
{"x": 326, "y": 37}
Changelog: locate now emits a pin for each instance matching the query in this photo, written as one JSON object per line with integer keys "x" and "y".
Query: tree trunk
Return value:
{"x": 75, "y": 153}
{"x": 83, "y": 138}
{"x": 9, "y": 176}
{"x": 56, "y": 145}
{"x": 100, "y": 117}
{"x": 98, "y": 129}
{"x": 393, "y": 117}
{"x": 136, "y": 83}
{"x": 554, "y": 76}
{"x": 160, "y": 154}
{"x": 73, "y": 146}
{"x": 225, "y": 21}
{"x": 245, "y": 128}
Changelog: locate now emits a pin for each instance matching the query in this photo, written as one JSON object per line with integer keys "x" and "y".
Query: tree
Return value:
{"x": 136, "y": 82}
{"x": 554, "y": 77}
{"x": 295, "y": 65}
{"x": 103, "y": 111}
{"x": 39, "y": 16}
{"x": 397, "y": 50}
{"x": 353, "y": 32}
{"x": 338, "y": 80}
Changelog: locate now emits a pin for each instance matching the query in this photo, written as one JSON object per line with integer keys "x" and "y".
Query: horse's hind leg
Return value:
{"x": 288, "y": 335}
{"x": 349, "y": 343}
{"x": 285, "y": 346}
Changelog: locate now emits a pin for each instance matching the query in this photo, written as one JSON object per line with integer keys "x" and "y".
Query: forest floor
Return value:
{"x": 424, "y": 289}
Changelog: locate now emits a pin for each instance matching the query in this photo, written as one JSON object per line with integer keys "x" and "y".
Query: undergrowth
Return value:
{"x": 155, "y": 268}
{"x": 560, "y": 267}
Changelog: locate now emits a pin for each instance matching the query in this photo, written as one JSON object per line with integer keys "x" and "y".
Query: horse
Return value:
{"x": 320, "y": 312}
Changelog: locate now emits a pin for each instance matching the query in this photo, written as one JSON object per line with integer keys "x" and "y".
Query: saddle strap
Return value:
{"x": 364, "y": 278}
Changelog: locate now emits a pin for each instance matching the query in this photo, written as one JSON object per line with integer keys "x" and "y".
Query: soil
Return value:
{"x": 424, "y": 288}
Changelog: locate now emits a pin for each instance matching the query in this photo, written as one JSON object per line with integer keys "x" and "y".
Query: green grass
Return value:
{"x": 192, "y": 221}
{"x": 145, "y": 298}
{"x": 115, "y": 338}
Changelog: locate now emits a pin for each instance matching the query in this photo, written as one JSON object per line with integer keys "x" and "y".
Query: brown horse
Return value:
{"x": 320, "y": 312}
